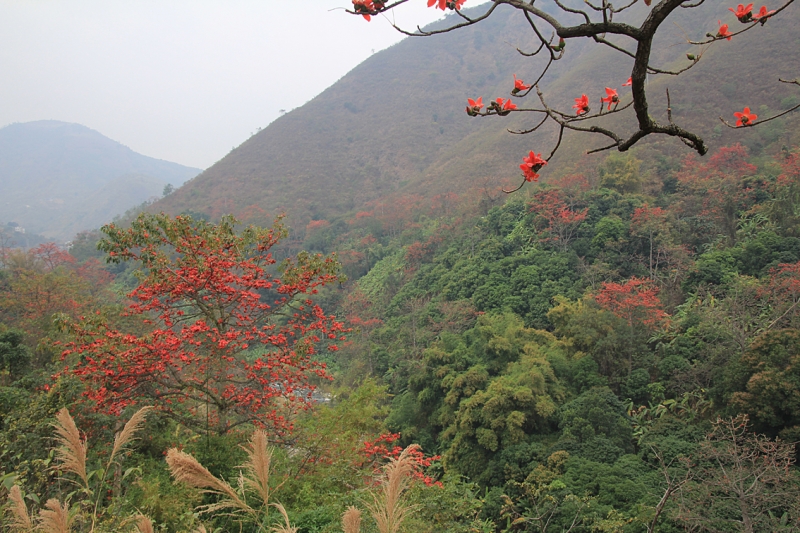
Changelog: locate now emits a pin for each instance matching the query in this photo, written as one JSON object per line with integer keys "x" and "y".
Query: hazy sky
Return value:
{"x": 181, "y": 80}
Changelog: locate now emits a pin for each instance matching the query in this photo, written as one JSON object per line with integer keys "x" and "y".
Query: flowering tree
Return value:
{"x": 554, "y": 23}
{"x": 562, "y": 221}
{"x": 225, "y": 336}
{"x": 636, "y": 300}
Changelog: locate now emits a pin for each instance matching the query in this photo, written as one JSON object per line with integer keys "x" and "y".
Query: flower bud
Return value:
{"x": 691, "y": 57}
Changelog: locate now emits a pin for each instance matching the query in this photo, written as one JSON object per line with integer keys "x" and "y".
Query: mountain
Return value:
{"x": 57, "y": 178}
{"x": 396, "y": 123}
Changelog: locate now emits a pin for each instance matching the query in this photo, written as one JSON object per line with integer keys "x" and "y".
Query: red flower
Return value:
{"x": 723, "y": 32}
{"x": 745, "y": 117}
{"x": 474, "y": 106}
{"x": 612, "y": 98}
{"x": 506, "y": 105}
{"x": 364, "y": 7}
{"x": 443, "y": 4}
{"x": 531, "y": 164}
{"x": 763, "y": 13}
{"x": 519, "y": 85}
{"x": 742, "y": 12}
{"x": 629, "y": 82}
{"x": 582, "y": 105}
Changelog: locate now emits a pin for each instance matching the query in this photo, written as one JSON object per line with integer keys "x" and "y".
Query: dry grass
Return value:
{"x": 186, "y": 469}
{"x": 20, "y": 519}
{"x": 256, "y": 468}
{"x": 144, "y": 524}
{"x": 71, "y": 453}
{"x": 128, "y": 432}
{"x": 54, "y": 518}
{"x": 388, "y": 507}
{"x": 286, "y": 527}
{"x": 351, "y": 520}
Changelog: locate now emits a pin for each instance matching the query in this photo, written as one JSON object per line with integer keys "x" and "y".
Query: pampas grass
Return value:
{"x": 256, "y": 468}
{"x": 144, "y": 524}
{"x": 54, "y": 518}
{"x": 388, "y": 507}
{"x": 186, "y": 469}
{"x": 351, "y": 520}
{"x": 20, "y": 519}
{"x": 286, "y": 527}
{"x": 71, "y": 453}
{"x": 128, "y": 432}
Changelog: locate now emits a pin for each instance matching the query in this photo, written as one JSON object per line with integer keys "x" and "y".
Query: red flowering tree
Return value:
{"x": 224, "y": 335}
{"x": 562, "y": 221}
{"x": 718, "y": 190}
{"x": 636, "y": 300}
{"x": 552, "y": 24}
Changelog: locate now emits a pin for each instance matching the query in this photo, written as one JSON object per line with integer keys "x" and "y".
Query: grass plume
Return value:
{"x": 54, "y": 518}
{"x": 71, "y": 452}
{"x": 144, "y": 524}
{"x": 286, "y": 527}
{"x": 128, "y": 432}
{"x": 256, "y": 468}
{"x": 351, "y": 520}
{"x": 186, "y": 469}
{"x": 20, "y": 519}
{"x": 389, "y": 508}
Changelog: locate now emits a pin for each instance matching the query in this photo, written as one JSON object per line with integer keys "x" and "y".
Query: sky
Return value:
{"x": 180, "y": 80}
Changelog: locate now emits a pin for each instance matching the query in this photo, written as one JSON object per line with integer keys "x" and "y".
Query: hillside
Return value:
{"x": 396, "y": 123}
{"x": 58, "y": 178}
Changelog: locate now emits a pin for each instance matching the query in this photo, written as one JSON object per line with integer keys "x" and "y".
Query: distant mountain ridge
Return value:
{"x": 58, "y": 178}
{"x": 396, "y": 124}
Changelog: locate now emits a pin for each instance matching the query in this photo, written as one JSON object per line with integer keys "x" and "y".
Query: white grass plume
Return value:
{"x": 54, "y": 518}
{"x": 256, "y": 468}
{"x": 144, "y": 524}
{"x": 71, "y": 452}
{"x": 351, "y": 520}
{"x": 20, "y": 519}
{"x": 186, "y": 469}
{"x": 389, "y": 508}
{"x": 128, "y": 432}
{"x": 286, "y": 527}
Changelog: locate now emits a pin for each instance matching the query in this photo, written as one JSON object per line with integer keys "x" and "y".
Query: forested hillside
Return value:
{"x": 396, "y": 125}
{"x": 612, "y": 348}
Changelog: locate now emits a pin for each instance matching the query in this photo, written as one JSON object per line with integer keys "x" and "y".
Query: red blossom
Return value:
{"x": 742, "y": 12}
{"x": 629, "y": 82}
{"x": 582, "y": 105}
{"x": 763, "y": 13}
{"x": 445, "y": 4}
{"x": 519, "y": 85}
{"x": 503, "y": 106}
{"x": 530, "y": 165}
{"x": 723, "y": 32}
{"x": 474, "y": 106}
{"x": 745, "y": 117}
{"x": 636, "y": 300}
{"x": 612, "y": 97}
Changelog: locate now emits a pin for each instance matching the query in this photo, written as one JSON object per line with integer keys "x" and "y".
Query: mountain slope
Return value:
{"x": 58, "y": 178}
{"x": 396, "y": 123}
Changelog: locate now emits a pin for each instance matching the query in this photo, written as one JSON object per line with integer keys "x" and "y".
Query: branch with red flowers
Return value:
{"x": 635, "y": 42}
{"x": 746, "y": 119}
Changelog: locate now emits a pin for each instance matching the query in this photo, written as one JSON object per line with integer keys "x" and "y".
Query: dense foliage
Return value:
{"x": 589, "y": 355}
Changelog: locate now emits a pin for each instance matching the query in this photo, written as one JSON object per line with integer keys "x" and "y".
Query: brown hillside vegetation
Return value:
{"x": 396, "y": 123}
